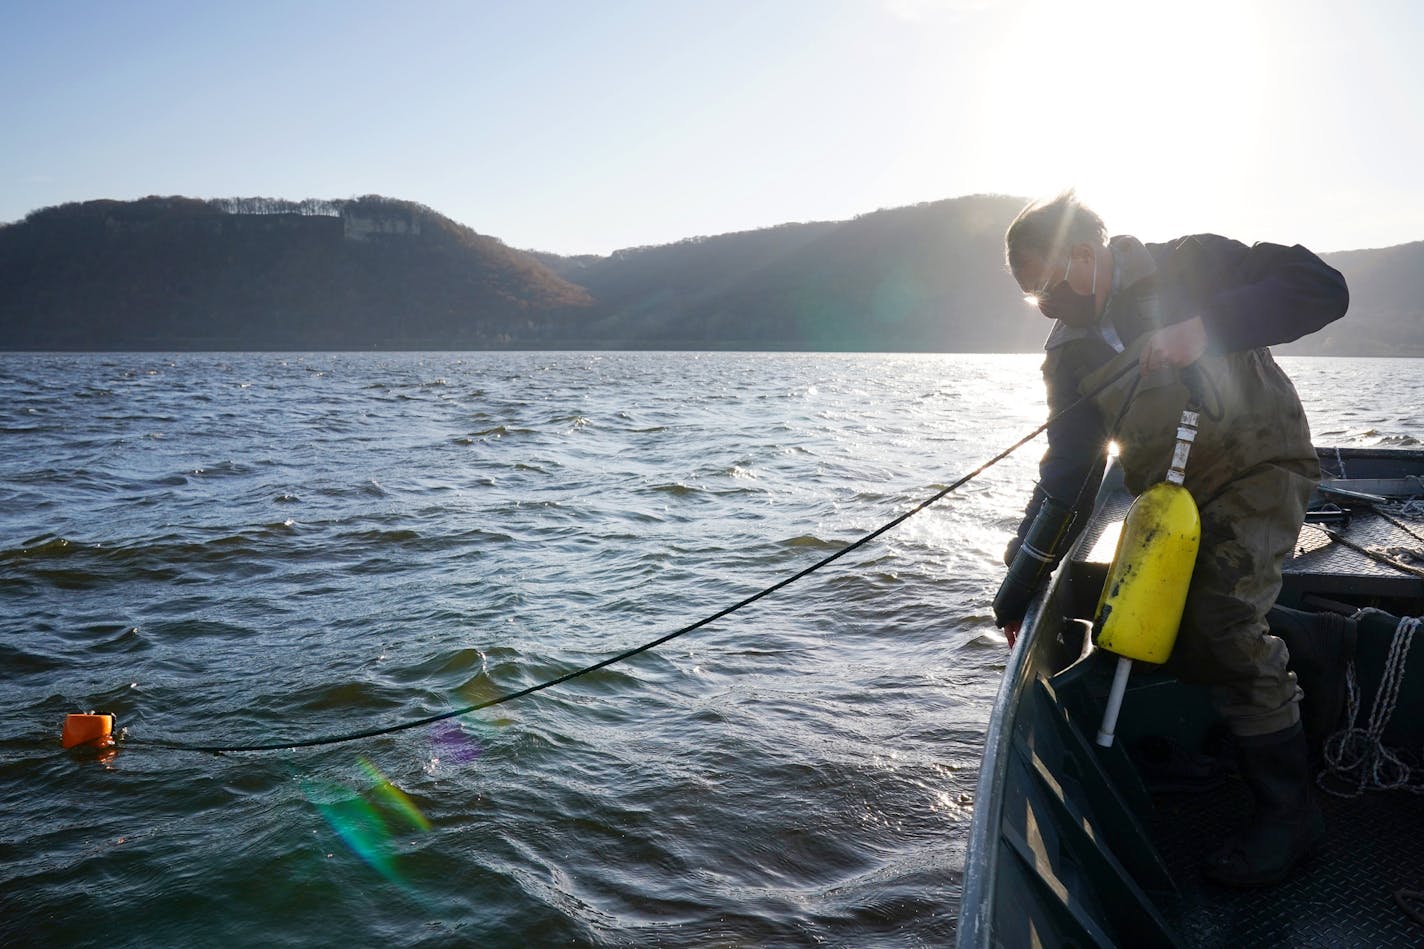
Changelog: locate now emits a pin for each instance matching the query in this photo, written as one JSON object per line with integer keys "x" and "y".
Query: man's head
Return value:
{"x": 1055, "y": 249}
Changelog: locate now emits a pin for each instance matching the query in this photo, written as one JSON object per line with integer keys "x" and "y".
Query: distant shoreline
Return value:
{"x": 382, "y": 274}
{"x": 627, "y": 349}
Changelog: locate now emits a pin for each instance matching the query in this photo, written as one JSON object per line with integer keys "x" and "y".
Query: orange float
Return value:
{"x": 91, "y": 728}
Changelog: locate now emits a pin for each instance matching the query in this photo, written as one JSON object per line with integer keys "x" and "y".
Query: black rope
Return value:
{"x": 1095, "y": 473}
{"x": 1403, "y": 898}
{"x": 1397, "y": 523}
{"x": 653, "y": 644}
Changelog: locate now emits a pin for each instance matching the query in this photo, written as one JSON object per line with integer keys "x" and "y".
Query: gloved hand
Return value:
{"x": 1178, "y": 345}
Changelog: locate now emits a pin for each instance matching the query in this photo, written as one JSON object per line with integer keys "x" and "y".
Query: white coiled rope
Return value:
{"x": 1357, "y": 756}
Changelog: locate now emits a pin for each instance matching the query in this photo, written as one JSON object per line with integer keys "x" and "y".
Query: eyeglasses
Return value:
{"x": 1036, "y": 296}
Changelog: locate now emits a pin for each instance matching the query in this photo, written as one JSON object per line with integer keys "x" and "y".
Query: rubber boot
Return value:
{"x": 1286, "y": 825}
{"x": 1321, "y": 646}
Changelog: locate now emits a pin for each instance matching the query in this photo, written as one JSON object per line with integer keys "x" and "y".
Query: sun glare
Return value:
{"x": 1149, "y": 110}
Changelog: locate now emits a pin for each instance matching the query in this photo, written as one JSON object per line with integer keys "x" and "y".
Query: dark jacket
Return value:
{"x": 1248, "y": 298}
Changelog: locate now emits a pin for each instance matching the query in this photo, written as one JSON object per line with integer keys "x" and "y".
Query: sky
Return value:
{"x": 590, "y": 125}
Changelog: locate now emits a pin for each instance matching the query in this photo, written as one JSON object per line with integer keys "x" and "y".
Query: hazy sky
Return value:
{"x": 581, "y": 127}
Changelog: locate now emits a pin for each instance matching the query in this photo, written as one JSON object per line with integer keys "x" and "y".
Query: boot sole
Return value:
{"x": 1257, "y": 883}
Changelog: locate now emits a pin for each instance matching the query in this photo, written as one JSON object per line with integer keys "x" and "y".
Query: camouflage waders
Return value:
{"x": 1251, "y": 472}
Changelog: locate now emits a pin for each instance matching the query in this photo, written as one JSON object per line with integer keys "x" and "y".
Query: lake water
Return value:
{"x": 259, "y": 548}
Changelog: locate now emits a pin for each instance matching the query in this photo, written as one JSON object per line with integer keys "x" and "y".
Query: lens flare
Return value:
{"x": 358, "y": 824}
{"x": 451, "y": 743}
{"x": 394, "y": 799}
{"x": 454, "y": 741}
{"x": 480, "y": 690}
{"x": 369, "y": 820}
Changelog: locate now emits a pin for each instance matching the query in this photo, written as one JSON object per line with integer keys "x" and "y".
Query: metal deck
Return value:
{"x": 1343, "y": 897}
{"x": 1322, "y": 566}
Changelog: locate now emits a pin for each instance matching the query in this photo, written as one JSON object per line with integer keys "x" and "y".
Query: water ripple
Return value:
{"x": 265, "y": 547}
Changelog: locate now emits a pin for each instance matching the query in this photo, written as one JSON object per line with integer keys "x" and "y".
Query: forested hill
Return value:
{"x": 1386, "y": 316}
{"x": 179, "y": 273}
{"x": 925, "y": 278}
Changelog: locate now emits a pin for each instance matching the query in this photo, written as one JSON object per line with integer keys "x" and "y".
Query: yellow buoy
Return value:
{"x": 1146, "y": 589}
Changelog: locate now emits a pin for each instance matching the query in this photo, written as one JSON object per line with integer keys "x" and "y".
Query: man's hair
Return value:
{"x": 1048, "y": 227}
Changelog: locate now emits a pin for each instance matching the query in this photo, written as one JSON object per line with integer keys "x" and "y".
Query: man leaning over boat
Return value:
{"x": 1215, "y": 305}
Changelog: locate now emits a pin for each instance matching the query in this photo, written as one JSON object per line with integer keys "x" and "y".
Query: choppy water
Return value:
{"x": 251, "y": 548}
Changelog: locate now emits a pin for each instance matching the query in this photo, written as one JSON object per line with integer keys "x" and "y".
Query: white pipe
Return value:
{"x": 1119, "y": 686}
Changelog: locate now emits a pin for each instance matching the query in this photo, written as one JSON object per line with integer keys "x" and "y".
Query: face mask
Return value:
{"x": 1073, "y": 308}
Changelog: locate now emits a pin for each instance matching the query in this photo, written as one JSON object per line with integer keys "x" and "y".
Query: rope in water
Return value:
{"x": 652, "y": 644}
{"x": 1357, "y": 756}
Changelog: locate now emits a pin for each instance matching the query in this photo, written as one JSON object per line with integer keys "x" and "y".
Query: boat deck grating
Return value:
{"x": 1316, "y": 553}
{"x": 1345, "y": 900}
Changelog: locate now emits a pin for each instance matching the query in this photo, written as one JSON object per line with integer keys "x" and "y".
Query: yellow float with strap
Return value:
{"x": 1141, "y": 605}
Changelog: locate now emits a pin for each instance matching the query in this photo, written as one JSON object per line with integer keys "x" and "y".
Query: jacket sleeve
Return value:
{"x": 1075, "y": 440}
{"x": 1263, "y": 295}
